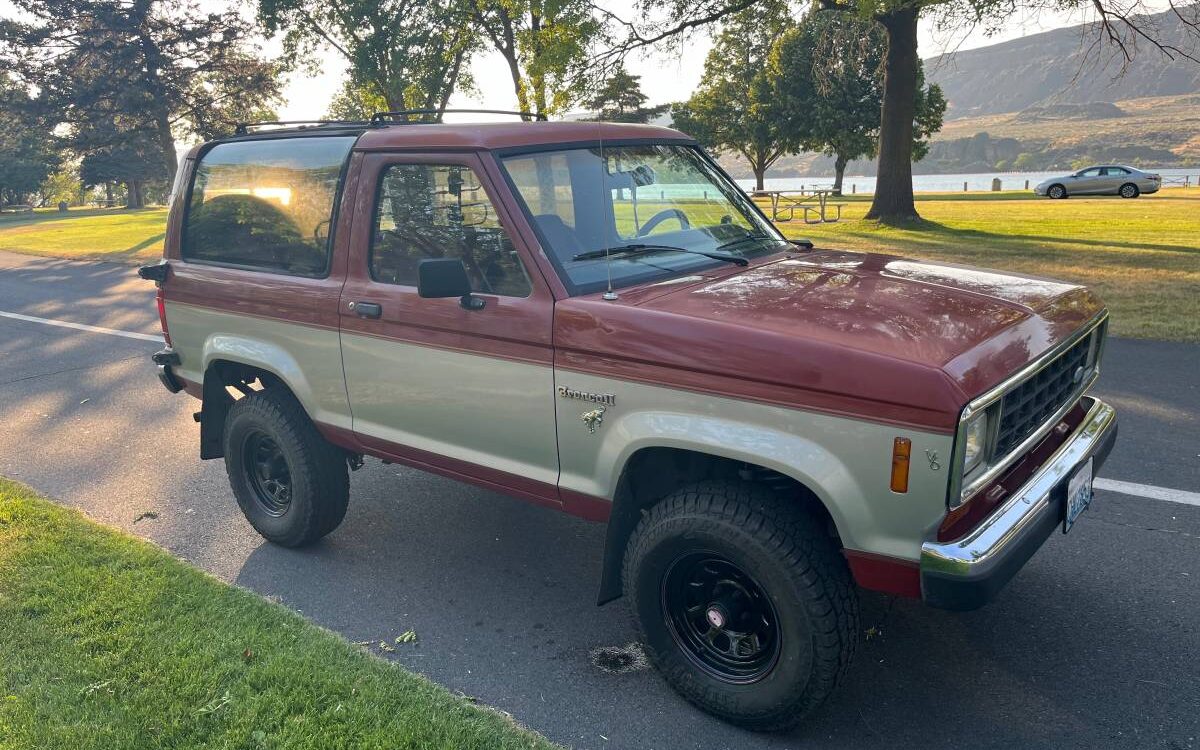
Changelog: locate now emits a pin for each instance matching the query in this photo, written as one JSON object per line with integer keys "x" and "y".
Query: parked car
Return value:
{"x": 593, "y": 317}
{"x": 1126, "y": 182}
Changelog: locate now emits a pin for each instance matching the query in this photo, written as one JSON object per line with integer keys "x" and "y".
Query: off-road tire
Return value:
{"x": 320, "y": 485}
{"x": 1056, "y": 192}
{"x": 798, "y": 565}
{"x": 1129, "y": 190}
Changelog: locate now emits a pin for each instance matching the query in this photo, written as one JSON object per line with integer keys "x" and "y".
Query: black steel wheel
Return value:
{"x": 292, "y": 485}
{"x": 743, "y": 601}
{"x": 721, "y": 617}
{"x": 267, "y": 472}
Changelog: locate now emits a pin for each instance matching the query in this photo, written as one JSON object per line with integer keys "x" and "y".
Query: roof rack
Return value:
{"x": 382, "y": 118}
{"x": 243, "y": 128}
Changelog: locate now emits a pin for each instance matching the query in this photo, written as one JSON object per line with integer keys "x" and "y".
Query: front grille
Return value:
{"x": 1029, "y": 405}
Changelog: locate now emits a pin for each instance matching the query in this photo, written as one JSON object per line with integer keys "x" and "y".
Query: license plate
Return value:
{"x": 1079, "y": 494}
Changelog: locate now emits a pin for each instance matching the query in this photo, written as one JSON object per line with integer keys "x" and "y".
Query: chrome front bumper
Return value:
{"x": 967, "y": 573}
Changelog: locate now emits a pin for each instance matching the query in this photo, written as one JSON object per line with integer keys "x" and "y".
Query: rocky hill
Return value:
{"x": 1062, "y": 67}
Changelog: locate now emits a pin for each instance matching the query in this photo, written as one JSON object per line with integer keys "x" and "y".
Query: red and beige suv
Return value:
{"x": 593, "y": 317}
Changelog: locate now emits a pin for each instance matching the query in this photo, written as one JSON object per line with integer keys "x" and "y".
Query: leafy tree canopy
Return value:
{"x": 826, "y": 79}
{"x": 545, "y": 44}
{"x": 130, "y": 77}
{"x": 733, "y": 110}
{"x": 412, "y": 54}
{"x": 620, "y": 99}
{"x": 27, "y": 153}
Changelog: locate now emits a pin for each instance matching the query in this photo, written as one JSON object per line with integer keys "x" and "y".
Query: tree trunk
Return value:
{"x": 760, "y": 172}
{"x": 133, "y": 195}
{"x": 153, "y": 59}
{"x": 108, "y": 195}
{"x": 839, "y": 171}
{"x": 893, "y": 187}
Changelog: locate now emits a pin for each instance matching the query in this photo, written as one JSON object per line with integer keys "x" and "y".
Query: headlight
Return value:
{"x": 976, "y": 441}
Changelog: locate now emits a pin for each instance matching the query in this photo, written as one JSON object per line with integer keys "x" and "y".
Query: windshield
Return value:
{"x": 631, "y": 210}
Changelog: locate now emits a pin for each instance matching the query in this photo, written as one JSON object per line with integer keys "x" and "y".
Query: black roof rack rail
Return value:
{"x": 243, "y": 128}
{"x": 382, "y": 118}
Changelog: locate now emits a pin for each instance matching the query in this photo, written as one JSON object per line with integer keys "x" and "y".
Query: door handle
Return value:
{"x": 367, "y": 309}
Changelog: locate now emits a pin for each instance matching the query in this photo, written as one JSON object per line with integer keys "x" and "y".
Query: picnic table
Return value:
{"x": 811, "y": 201}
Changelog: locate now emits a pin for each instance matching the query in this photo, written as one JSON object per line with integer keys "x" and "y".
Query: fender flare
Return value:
{"x": 799, "y": 458}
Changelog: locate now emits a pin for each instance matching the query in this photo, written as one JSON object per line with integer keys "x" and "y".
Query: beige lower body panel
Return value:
{"x": 507, "y": 415}
{"x": 307, "y": 358}
{"x": 484, "y": 410}
{"x": 845, "y": 462}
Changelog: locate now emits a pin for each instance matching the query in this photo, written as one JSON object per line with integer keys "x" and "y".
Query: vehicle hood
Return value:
{"x": 914, "y": 339}
{"x": 1051, "y": 180}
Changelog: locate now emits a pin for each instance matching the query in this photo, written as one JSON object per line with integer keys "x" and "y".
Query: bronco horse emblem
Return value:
{"x": 593, "y": 419}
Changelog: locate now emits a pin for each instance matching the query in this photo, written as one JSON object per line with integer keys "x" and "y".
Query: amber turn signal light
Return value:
{"x": 901, "y": 450}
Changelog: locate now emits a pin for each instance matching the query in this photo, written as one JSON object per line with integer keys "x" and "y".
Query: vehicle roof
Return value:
{"x": 503, "y": 135}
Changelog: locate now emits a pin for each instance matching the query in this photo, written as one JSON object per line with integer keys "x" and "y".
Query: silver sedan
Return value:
{"x": 1126, "y": 182}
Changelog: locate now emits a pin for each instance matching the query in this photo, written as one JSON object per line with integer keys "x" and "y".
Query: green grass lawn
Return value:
{"x": 86, "y": 233}
{"x": 1142, "y": 256}
{"x": 108, "y": 642}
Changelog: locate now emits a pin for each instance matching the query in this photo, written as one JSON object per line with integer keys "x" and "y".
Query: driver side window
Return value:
{"x": 1093, "y": 172}
{"x": 442, "y": 211}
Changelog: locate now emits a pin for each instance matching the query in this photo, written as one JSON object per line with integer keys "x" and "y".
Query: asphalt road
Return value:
{"x": 1096, "y": 643}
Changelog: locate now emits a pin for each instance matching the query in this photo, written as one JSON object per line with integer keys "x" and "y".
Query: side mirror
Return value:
{"x": 446, "y": 277}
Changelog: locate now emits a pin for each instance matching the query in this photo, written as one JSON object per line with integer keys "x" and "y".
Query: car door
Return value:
{"x": 1117, "y": 176}
{"x": 466, "y": 392}
{"x": 1086, "y": 182}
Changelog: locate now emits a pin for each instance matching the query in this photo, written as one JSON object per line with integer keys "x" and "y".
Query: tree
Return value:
{"x": 544, "y": 43}
{"x": 62, "y": 185}
{"x": 133, "y": 164}
{"x": 27, "y": 153}
{"x": 620, "y": 99}
{"x": 355, "y": 103}
{"x": 1120, "y": 28}
{"x": 734, "y": 108}
{"x": 412, "y": 54}
{"x": 826, "y": 80}
{"x": 161, "y": 67}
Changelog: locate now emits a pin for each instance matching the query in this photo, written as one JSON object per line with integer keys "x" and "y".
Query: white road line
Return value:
{"x": 1149, "y": 491}
{"x": 157, "y": 338}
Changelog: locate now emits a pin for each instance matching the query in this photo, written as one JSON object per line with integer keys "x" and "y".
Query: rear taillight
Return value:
{"x": 162, "y": 316}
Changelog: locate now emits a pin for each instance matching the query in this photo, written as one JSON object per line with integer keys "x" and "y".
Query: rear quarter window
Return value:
{"x": 266, "y": 204}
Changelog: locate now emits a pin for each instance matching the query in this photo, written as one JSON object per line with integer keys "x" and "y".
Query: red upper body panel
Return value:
{"x": 866, "y": 335}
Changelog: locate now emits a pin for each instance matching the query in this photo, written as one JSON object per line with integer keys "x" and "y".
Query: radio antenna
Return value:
{"x": 605, "y": 194}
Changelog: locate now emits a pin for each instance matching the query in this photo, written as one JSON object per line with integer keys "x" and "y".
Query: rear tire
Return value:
{"x": 292, "y": 485}
{"x": 1129, "y": 190}
{"x": 1056, "y": 192}
{"x": 743, "y": 602}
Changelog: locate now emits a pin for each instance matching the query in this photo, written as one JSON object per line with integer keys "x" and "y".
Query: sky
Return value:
{"x": 666, "y": 77}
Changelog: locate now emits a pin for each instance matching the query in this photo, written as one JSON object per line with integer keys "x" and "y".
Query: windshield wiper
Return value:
{"x": 747, "y": 238}
{"x": 640, "y": 248}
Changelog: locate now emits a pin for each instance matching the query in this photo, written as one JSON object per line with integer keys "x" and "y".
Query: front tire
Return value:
{"x": 1129, "y": 190}
{"x": 743, "y": 602}
{"x": 292, "y": 485}
{"x": 1056, "y": 192}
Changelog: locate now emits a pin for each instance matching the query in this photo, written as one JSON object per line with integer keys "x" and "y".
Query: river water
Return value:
{"x": 954, "y": 182}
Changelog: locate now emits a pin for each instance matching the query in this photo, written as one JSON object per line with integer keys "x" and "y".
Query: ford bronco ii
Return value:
{"x": 593, "y": 317}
